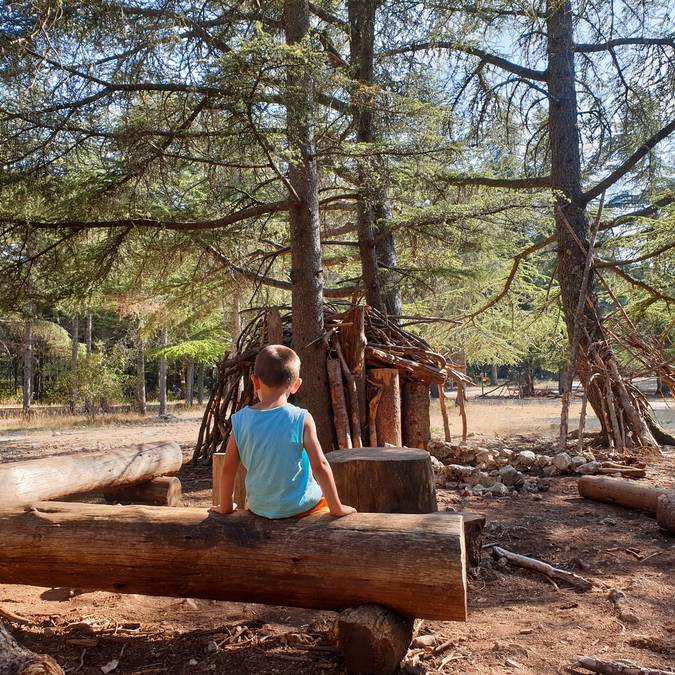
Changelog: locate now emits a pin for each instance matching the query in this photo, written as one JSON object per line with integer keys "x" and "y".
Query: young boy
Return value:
{"x": 287, "y": 472}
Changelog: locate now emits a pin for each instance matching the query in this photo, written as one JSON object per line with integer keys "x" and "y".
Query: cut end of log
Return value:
{"x": 372, "y": 639}
{"x": 665, "y": 512}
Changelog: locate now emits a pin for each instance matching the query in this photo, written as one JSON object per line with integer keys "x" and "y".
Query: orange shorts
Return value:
{"x": 321, "y": 507}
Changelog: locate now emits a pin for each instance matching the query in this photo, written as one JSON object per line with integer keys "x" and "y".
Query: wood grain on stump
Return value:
{"x": 385, "y": 480}
{"x": 17, "y": 660}
{"x": 665, "y": 512}
{"x": 373, "y": 640}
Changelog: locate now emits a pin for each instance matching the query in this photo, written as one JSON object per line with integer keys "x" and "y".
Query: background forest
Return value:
{"x": 169, "y": 166}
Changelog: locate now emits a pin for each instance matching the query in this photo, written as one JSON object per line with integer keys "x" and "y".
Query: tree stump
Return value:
{"x": 372, "y": 639}
{"x": 239, "y": 481}
{"x": 385, "y": 415}
{"x": 162, "y": 491}
{"x": 17, "y": 660}
{"x": 385, "y": 480}
{"x": 665, "y": 512}
{"x": 416, "y": 420}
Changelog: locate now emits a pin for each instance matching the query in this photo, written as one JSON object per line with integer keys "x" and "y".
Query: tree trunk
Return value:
{"x": 339, "y": 403}
{"x": 386, "y": 420}
{"x": 494, "y": 375}
{"x": 306, "y": 267}
{"x": 17, "y": 660}
{"x": 190, "y": 382}
{"x": 35, "y": 480}
{"x": 164, "y": 341}
{"x": 27, "y": 365}
{"x": 594, "y": 356}
{"x": 318, "y": 562}
{"x": 89, "y": 330}
{"x": 74, "y": 349}
{"x": 140, "y": 376}
{"x": 200, "y": 384}
{"x": 385, "y": 248}
{"x": 416, "y": 420}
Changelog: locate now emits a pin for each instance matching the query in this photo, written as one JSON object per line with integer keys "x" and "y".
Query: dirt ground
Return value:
{"x": 518, "y": 621}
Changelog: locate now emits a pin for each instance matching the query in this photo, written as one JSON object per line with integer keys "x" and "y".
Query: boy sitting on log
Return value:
{"x": 287, "y": 472}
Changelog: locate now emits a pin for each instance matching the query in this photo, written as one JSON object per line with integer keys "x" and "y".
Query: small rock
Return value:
{"x": 212, "y": 646}
{"x": 526, "y": 459}
{"x": 562, "y": 461}
{"x": 543, "y": 461}
{"x": 498, "y": 490}
{"x": 436, "y": 463}
{"x": 577, "y": 461}
{"x": 425, "y": 641}
{"x": 589, "y": 468}
{"x": 110, "y": 666}
{"x": 513, "y": 664}
{"x": 551, "y": 470}
{"x": 511, "y": 477}
{"x": 506, "y": 452}
{"x": 193, "y": 662}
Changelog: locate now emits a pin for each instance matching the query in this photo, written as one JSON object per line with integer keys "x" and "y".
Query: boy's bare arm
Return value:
{"x": 322, "y": 471}
{"x": 226, "y": 492}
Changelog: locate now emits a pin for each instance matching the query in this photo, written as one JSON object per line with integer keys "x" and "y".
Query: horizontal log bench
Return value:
{"x": 412, "y": 564}
{"x": 57, "y": 476}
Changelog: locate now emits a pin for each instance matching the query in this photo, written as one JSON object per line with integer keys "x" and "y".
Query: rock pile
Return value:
{"x": 498, "y": 471}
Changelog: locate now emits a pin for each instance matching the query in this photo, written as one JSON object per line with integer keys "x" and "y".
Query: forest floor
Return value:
{"x": 518, "y": 621}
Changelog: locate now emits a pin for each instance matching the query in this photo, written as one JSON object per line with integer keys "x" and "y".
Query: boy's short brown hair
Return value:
{"x": 277, "y": 366}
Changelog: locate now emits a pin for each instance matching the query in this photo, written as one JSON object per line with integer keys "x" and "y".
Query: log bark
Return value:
{"x": 318, "y": 562}
{"x": 352, "y": 339}
{"x": 62, "y": 475}
{"x": 275, "y": 329}
{"x": 388, "y": 415}
{"x": 623, "y": 492}
{"x": 140, "y": 376}
{"x": 339, "y": 401}
{"x": 615, "y": 668}
{"x": 161, "y": 491}
{"x": 416, "y": 414}
{"x": 385, "y": 480}
{"x": 373, "y": 639}
{"x": 444, "y": 411}
{"x": 353, "y": 396}
{"x": 665, "y": 512}
{"x": 239, "y": 481}
{"x": 17, "y": 660}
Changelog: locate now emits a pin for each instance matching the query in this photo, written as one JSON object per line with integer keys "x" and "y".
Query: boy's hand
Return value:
{"x": 223, "y": 511}
{"x": 342, "y": 511}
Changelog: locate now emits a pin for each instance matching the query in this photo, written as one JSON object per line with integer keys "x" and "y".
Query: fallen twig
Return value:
{"x": 616, "y": 667}
{"x": 541, "y": 567}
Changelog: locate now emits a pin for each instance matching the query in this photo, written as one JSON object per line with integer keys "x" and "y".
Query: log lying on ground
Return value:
{"x": 385, "y": 480}
{"x": 665, "y": 512}
{"x": 17, "y": 660}
{"x": 62, "y": 475}
{"x": 615, "y": 667}
{"x": 162, "y": 491}
{"x": 318, "y": 562}
{"x": 623, "y": 492}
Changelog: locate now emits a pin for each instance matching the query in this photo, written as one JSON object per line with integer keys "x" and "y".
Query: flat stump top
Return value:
{"x": 377, "y": 455}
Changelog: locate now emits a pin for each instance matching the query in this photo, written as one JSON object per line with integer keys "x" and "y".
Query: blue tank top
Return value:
{"x": 279, "y": 480}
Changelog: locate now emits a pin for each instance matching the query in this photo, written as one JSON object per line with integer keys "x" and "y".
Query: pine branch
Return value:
{"x": 586, "y": 48}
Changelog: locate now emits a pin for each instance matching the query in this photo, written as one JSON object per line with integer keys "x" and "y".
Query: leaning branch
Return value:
{"x": 622, "y": 170}
{"x": 508, "y": 183}
{"x": 586, "y": 48}
{"x": 486, "y": 57}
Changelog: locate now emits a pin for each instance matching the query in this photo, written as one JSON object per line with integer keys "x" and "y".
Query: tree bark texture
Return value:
{"x": 665, "y": 512}
{"x": 594, "y": 355}
{"x": 140, "y": 376}
{"x": 387, "y": 414}
{"x": 17, "y": 660}
{"x": 74, "y": 349}
{"x": 416, "y": 420}
{"x": 339, "y": 402}
{"x": 89, "y": 330}
{"x": 318, "y": 562}
{"x": 34, "y": 480}
{"x": 200, "y": 384}
{"x": 306, "y": 268}
{"x": 385, "y": 480}
{"x": 622, "y": 492}
{"x": 190, "y": 382}
{"x": 164, "y": 340}
{"x": 27, "y": 396}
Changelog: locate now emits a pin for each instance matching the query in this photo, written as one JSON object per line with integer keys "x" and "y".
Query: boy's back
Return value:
{"x": 279, "y": 480}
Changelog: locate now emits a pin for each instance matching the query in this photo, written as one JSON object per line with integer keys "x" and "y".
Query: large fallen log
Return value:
{"x": 316, "y": 562}
{"x": 623, "y": 492}
{"x": 17, "y": 660}
{"x": 162, "y": 491}
{"x": 665, "y": 512}
{"x": 62, "y": 475}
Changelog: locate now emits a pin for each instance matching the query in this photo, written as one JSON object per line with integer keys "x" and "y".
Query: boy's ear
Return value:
{"x": 296, "y": 385}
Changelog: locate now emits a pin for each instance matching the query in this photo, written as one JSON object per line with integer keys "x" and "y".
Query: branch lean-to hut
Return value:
{"x": 379, "y": 374}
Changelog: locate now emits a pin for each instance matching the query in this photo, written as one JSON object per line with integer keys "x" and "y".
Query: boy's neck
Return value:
{"x": 270, "y": 398}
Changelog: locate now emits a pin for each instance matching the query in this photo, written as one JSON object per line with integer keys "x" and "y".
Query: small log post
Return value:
{"x": 385, "y": 480}
{"x": 373, "y": 639}
{"x": 665, "y": 512}
{"x": 352, "y": 339}
{"x": 416, "y": 414}
{"x": 17, "y": 660}
{"x": 622, "y": 492}
{"x": 388, "y": 414}
{"x": 444, "y": 412}
{"x": 339, "y": 401}
{"x": 275, "y": 329}
{"x": 34, "y": 480}
{"x": 239, "y": 481}
{"x": 162, "y": 491}
{"x": 317, "y": 562}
